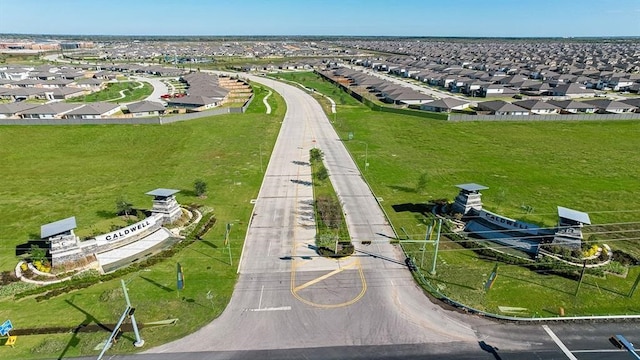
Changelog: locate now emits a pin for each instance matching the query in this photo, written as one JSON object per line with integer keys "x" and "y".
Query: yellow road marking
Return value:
{"x": 333, "y": 306}
{"x": 325, "y": 276}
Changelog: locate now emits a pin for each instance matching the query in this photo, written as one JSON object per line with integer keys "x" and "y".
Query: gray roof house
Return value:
{"x": 572, "y": 90}
{"x": 445, "y": 105}
{"x": 64, "y": 93}
{"x": 49, "y": 111}
{"x": 573, "y": 107}
{"x": 145, "y": 108}
{"x": 407, "y": 96}
{"x": 13, "y": 110}
{"x": 499, "y": 107}
{"x": 93, "y": 111}
{"x": 611, "y": 106}
{"x": 194, "y": 102}
{"x": 538, "y": 107}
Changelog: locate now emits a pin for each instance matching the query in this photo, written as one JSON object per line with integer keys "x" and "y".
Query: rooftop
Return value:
{"x": 471, "y": 187}
{"x": 57, "y": 227}
{"x": 162, "y": 192}
{"x": 574, "y": 215}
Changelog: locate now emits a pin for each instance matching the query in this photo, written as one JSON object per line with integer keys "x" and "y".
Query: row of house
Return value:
{"x": 506, "y": 68}
{"x": 393, "y": 93}
{"x": 61, "y": 110}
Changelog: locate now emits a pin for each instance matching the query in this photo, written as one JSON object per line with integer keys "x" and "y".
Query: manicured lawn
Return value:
{"x": 590, "y": 166}
{"x": 133, "y": 91}
{"x": 49, "y": 173}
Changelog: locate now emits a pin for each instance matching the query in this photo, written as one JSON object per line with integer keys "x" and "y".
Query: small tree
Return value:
{"x": 200, "y": 187}
{"x": 124, "y": 207}
{"x": 322, "y": 174}
{"x": 316, "y": 155}
{"x": 37, "y": 253}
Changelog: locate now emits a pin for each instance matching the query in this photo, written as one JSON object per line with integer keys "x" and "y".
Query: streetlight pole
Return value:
{"x": 366, "y": 158}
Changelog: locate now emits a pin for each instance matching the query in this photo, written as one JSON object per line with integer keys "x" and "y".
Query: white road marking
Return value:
{"x": 281, "y": 308}
{"x": 597, "y": 351}
{"x": 260, "y": 301}
{"x": 558, "y": 342}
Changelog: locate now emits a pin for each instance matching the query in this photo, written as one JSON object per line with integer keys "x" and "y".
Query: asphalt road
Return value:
{"x": 291, "y": 304}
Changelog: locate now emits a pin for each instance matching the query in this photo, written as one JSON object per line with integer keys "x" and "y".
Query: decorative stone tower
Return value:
{"x": 164, "y": 202}
{"x": 468, "y": 198}
{"x": 64, "y": 243}
{"x": 569, "y": 231}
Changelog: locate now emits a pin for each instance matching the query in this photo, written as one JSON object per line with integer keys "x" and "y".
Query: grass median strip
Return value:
{"x": 332, "y": 238}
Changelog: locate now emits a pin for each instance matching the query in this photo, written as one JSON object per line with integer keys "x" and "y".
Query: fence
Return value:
{"x": 556, "y": 117}
{"x": 131, "y": 121}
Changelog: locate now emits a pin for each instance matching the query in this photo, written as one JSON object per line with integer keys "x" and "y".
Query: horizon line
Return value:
{"x": 343, "y": 36}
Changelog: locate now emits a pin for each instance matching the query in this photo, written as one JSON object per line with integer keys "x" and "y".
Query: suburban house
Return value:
{"x": 145, "y": 108}
{"x": 194, "y": 102}
{"x": 445, "y": 105}
{"x": 49, "y": 111}
{"x": 606, "y": 106}
{"x": 572, "y": 90}
{"x": 14, "y": 109}
{"x": 573, "y": 107}
{"x": 499, "y": 107}
{"x": 538, "y": 107}
{"x": 633, "y": 102}
{"x": 95, "y": 110}
{"x": 204, "y": 92}
{"x": 64, "y": 93}
{"x": 89, "y": 83}
{"x": 496, "y": 90}
{"x": 15, "y": 72}
{"x": 406, "y": 96}
{"x": 19, "y": 94}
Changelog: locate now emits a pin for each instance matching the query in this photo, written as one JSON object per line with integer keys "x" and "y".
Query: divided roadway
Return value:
{"x": 290, "y": 303}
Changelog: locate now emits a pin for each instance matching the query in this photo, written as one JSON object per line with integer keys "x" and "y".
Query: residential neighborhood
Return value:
{"x": 502, "y": 77}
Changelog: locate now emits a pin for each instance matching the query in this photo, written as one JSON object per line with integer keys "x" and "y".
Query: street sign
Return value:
{"x": 5, "y": 328}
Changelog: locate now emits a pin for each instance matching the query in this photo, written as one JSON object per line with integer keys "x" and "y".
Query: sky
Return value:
{"x": 477, "y": 18}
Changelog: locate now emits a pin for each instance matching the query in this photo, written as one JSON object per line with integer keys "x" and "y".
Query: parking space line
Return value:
{"x": 558, "y": 342}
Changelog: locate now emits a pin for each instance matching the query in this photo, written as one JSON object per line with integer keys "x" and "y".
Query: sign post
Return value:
{"x": 227, "y": 243}
{"x": 4, "y": 331}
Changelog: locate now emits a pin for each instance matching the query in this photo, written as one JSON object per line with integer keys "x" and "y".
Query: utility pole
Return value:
{"x": 428, "y": 240}
{"x": 635, "y": 285}
{"x": 228, "y": 243}
{"x": 435, "y": 252}
{"x": 427, "y": 237}
{"x": 584, "y": 268}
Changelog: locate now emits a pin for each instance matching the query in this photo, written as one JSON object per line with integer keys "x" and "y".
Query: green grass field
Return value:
{"x": 588, "y": 166}
{"x": 133, "y": 91}
{"x": 49, "y": 173}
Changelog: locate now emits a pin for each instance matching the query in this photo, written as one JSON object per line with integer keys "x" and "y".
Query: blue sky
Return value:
{"x": 499, "y": 18}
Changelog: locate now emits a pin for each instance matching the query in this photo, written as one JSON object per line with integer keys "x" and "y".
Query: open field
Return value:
{"x": 53, "y": 172}
{"x": 588, "y": 166}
